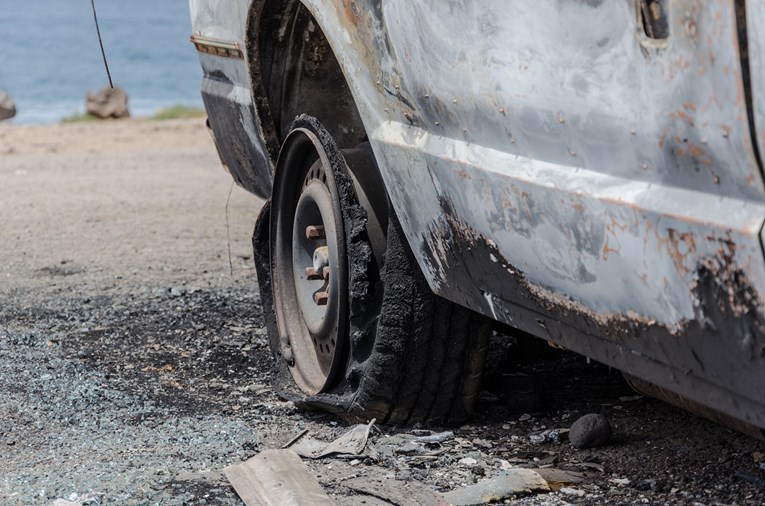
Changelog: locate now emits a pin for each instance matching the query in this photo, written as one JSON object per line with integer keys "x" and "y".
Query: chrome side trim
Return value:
{"x": 217, "y": 47}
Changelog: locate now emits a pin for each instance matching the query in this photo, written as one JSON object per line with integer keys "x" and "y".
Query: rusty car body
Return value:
{"x": 589, "y": 172}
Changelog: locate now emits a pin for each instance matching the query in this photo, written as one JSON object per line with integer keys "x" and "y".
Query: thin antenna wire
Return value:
{"x": 101, "y": 43}
{"x": 228, "y": 231}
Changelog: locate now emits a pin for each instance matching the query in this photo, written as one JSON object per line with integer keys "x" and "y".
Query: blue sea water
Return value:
{"x": 49, "y": 55}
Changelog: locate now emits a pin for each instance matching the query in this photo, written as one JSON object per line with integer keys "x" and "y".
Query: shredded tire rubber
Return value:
{"x": 414, "y": 357}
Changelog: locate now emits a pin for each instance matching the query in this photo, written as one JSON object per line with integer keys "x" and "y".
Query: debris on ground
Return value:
{"x": 75, "y": 499}
{"x": 512, "y": 482}
{"x": 559, "y": 478}
{"x": 439, "y": 437}
{"x": 572, "y": 491}
{"x": 590, "y": 431}
{"x": 353, "y": 443}
{"x": 392, "y": 491}
{"x": 278, "y": 478}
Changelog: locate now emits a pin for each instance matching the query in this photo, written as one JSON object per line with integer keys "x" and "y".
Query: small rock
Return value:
{"x": 404, "y": 475}
{"x": 439, "y": 437}
{"x": 468, "y": 461}
{"x": 589, "y": 431}
{"x": 409, "y": 448}
{"x": 107, "y": 103}
{"x": 620, "y": 481}
{"x": 483, "y": 443}
{"x": 554, "y": 435}
{"x": 177, "y": 292}
{"x": 537, "y": 438}
{"x": 652, "y": 485}
{"x": 7, "y": 106}
{"x": 572, "y": 491}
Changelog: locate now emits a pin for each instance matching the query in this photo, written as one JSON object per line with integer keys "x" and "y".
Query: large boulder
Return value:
{"x": 107, "y": 103}
{"x": 7, "y": 107}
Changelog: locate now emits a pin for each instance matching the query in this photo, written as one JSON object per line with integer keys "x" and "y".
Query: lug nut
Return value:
{"x": 314, "y": 232}
{"x": 312, "y": 275}
{"x": 321, "y": 298}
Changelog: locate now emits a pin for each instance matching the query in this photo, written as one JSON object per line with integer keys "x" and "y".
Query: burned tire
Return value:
{"x": 399, "y": 353}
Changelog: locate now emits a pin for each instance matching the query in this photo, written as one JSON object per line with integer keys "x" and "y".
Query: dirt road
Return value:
{"x": 133, "y": 367}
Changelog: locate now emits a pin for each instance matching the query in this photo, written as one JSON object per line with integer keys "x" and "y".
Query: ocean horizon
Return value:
{"x": 51, "y": 58}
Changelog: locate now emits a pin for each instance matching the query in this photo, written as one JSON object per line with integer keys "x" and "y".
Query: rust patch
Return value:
{"x": 679, "y": 246}
{"x": 316, "y": 50}
{"x": 694, "y": 151}
{"x": 607, "y": 250}
{"x": 682, "y": 116}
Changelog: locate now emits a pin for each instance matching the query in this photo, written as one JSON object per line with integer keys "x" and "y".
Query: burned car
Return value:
{"x": 587, "y": 172}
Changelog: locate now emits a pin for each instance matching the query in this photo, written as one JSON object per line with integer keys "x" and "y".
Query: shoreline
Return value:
{"x": 52, "y": 114}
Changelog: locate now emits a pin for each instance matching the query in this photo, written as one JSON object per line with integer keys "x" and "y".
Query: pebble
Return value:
{"x": 468, "y": 461}
{"x": 177, "y": 291}
{"x": 590, "y": 431}
{"x": 572, "y": 491}
{"x": 404, "y": 475}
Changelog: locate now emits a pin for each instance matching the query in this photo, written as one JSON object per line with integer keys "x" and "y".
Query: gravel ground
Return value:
{"x": 133, "y": 367}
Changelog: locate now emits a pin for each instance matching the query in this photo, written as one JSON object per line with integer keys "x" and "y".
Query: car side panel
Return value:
{"x": 226, "y": 93}
{"x": 554, "y": 169}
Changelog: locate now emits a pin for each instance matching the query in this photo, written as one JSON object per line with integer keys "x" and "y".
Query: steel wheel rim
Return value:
{"x": 314, "y": 332}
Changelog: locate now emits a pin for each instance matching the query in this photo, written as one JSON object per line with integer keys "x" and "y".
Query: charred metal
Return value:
{"x": 699, "y": 352}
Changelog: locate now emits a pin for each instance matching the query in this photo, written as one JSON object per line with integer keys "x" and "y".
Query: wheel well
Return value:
{"x": 294, "y": 71}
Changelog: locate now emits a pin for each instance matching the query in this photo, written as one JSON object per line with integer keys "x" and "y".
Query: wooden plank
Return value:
{"x": 278, "y": 478}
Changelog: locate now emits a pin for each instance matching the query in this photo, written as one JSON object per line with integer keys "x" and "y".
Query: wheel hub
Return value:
{"x": 314, "y": 259}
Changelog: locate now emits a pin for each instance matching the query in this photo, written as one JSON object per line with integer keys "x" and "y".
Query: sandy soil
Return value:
{"x": 121, "y": 204}
{"x": 133, "y": 366}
